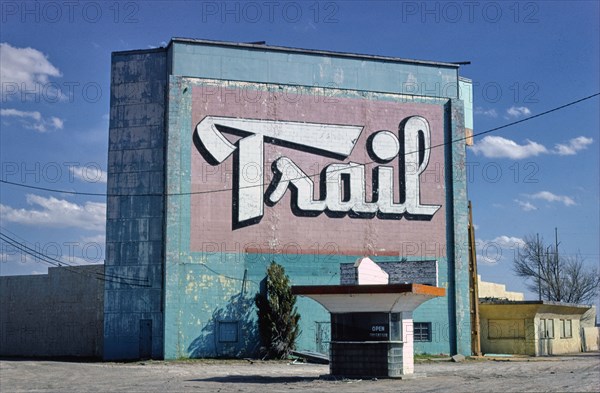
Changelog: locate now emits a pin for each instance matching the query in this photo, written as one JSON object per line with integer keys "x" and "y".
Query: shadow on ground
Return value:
{"x": 259, "y": 379}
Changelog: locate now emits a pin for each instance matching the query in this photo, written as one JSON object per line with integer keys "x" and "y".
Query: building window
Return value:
{"x": 550, "y": 328}
{"x": 422, "y": 331}
{"x": 566, "y": 328}
{"x": 546, "y": 328}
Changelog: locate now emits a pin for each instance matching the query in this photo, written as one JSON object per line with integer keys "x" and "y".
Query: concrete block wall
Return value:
{"x": 55, "y": 314}
{"x": 417, "y": 272}
{"x": 134, "y": 230}
{"x": 364, "y": 360}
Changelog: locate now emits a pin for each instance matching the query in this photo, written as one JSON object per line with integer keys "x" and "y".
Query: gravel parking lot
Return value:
{"x": 576, "y": 373}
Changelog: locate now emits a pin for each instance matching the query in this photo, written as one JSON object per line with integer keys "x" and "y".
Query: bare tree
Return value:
{"x": 555, "y": 278}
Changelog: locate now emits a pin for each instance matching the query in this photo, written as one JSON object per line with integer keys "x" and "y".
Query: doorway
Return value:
{"x": 145, "y": 339}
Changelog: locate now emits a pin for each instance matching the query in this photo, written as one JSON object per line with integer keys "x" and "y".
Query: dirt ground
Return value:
{"x": 576, "y": 373}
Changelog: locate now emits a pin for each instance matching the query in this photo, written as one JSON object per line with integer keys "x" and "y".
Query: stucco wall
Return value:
{"x": 517, "y": 328}
{"x": 506, "y": 329}
{"x": 557, "y": 345}
{"x": 591, "y": 338}
{"x": 54, "y": 314}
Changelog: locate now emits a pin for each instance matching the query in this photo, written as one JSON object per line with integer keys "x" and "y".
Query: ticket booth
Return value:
{"x": 371, "y": 326}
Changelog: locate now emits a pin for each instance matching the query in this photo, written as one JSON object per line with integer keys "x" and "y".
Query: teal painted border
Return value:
{"x": 309, "y": 69}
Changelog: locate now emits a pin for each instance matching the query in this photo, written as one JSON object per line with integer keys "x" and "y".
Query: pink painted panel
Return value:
{"x": 282, "y": 231}
{"x": 369, "y": 273}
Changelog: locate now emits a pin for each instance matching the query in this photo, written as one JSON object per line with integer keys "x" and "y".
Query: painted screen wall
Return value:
{"x": 305, "y": 158}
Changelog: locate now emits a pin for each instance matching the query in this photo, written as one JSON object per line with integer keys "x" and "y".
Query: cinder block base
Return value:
{"x": 367, "y": 359}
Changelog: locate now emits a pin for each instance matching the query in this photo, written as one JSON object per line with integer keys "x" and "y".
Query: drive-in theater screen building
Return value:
{"x": 224, "y": 157}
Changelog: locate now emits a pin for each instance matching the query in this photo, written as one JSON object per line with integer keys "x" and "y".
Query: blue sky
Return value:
{"x": 526, "y": 57}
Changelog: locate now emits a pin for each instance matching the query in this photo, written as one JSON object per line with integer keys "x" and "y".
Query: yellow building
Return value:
{"x": 535, "y": 328}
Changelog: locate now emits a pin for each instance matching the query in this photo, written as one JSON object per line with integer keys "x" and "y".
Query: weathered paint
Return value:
{"x": 135, "y": 207}
{"x": 283, "y": 230}
{"x": 212, "y": 273}
{"x": 326, "y": 70}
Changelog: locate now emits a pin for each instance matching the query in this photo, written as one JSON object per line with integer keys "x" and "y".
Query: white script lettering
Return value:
{"x": 343, "y": 185}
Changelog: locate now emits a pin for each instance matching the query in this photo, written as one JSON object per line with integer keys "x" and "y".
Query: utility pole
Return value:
{"x": 473, "y": 289}
{"x": 539, "y": 261}
{"x": 556, "y": 264}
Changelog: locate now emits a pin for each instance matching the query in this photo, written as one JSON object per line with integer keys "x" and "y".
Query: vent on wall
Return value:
{"x": 228, "y": 331}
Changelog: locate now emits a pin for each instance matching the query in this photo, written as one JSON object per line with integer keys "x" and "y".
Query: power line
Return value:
{"x": 60, "y": 263}
{"x": 313, "y": 175}
{"x": 99, "y": 276}
{"x": 32, "y": 252}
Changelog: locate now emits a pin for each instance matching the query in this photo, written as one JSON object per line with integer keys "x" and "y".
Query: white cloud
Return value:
{"x": 517, "y": 111}
{"x": 499, "y": 147}
{"x": 508, "y": 241}
{"x": 501, "y": 248}
{"x": 57, "y": 123}
{"x": 486, "y": 112}
{"x": 550, "y": 197}
{"x": 573, "y": 146}
{"x": 33, "y": 120}
{"x": 525, "y": 205}
{"x": 22, "y": 114}
{"x": 24, "y": 69}
{"x": 90, "y": 174}
{"x": 58, "y": 213}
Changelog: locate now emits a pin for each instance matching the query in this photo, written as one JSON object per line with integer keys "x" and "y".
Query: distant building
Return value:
{"x": 535, "y": 328}
{"x": 497, "y": 291}
{"x": 56, "y": 314}
{"x": 511, "y": 325}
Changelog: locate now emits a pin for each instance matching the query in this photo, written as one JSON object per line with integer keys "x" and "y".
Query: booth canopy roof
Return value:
{"x": 370, "y": 298}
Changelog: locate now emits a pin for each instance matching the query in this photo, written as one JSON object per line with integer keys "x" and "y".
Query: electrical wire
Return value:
{"x": 72, "y": 268}
{"x": 100, "y": 276}
{"x": 55, "y": 262}
{"x": 313, "y": 175}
